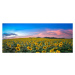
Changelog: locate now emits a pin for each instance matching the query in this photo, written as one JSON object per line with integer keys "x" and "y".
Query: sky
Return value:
{"x": 26, "y": 30}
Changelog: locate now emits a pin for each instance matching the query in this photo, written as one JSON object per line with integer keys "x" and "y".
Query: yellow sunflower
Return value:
{"x": 37, "y": 48}
{"x": 17, "y": 48}
{"x": 44, "y": 47}
{"x": 9, "y": 46}
{"x": 36, "y": 43}
{"x": 46, "y": 43}
{"x": 44, "y": 51}
{"x": 37, "y": 52}
{"x": 69, "y": 42}
{"x": 57, "y": 51}
{"x": 18, "y": 45}
{"x": 40, "y": 44}
{"x": 52, "y": 50}
{"x": 56, "y": 48}
{"x": 55, "y": 44}
{"x": 29, "y": 48}
{"x": 60, "y": 45}
{"x": 49, "y": 45}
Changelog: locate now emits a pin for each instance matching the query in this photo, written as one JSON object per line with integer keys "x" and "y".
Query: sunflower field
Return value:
{"x": 37, "y": 45}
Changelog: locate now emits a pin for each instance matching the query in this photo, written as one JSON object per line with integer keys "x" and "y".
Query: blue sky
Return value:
{"x": 26, "y": 28}
{"x": 33, "y": 26}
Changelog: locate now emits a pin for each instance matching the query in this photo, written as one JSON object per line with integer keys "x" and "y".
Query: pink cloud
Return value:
{"x": 55, "y": 33}
{"x": 49, "y": 33}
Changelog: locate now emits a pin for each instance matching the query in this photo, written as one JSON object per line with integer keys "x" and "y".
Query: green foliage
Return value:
{"x": 30, "y": 45}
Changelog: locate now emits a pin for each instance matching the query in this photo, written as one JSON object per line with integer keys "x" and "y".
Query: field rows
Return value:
{"x": 37, "y": 45}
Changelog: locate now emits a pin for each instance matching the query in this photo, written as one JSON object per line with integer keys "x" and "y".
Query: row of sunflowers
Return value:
{"x": 37, "y": 45}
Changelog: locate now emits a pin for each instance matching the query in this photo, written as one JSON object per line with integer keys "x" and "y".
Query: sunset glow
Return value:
{"x": 26, "y": 30}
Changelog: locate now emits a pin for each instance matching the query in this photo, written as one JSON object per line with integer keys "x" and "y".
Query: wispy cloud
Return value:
{"x": 9, "y": 35}
{"x": 60, "y": 33}
{"x": 55, "y": 33}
